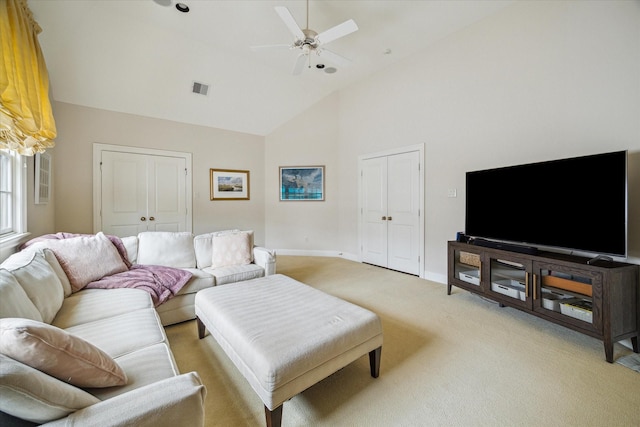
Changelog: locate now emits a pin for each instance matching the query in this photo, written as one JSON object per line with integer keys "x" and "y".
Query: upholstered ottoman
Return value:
{"x": 285, "y": 336}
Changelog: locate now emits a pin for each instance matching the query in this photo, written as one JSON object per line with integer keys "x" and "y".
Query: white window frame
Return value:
{"x": 12, "y": 238}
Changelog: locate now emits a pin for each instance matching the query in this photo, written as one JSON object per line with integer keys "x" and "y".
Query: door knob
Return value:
{"x": 389, "y": 219}
{"x": 384, "y": 218}
{"x": 143, "y": 218}
{"x": 151, "y": 218}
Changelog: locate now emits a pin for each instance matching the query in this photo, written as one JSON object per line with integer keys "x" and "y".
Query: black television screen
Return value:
{"x": 578, "y": 203}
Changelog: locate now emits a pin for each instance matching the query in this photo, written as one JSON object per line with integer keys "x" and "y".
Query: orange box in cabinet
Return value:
{"x": 566, "y": 284}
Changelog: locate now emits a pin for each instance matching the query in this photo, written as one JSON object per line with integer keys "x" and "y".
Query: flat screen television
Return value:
{"x": 578, "y": 203}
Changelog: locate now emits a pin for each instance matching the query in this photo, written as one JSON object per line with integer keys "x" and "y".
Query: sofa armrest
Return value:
{"x": 171, "y": 402}
{"x": 265, "y": 258}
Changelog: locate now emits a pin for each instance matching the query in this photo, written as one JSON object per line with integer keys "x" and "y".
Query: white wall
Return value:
{"x": 79, "y": 127}
{"x": 309, "y": 140}
{"x": 538, "y": 81}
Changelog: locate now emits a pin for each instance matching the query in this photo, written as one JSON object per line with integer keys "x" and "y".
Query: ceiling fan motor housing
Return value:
{"x": 310, "y": 39}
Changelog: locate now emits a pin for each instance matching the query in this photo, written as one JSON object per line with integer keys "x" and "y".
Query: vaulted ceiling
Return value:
{"x": 143, "y": 56}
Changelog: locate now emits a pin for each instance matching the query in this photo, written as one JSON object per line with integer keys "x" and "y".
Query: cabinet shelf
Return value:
{"x": 599, "y": 300}
{"x": 567, "y": 285}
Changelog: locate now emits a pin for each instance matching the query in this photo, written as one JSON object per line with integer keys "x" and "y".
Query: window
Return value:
{"x": 13, "y": 199}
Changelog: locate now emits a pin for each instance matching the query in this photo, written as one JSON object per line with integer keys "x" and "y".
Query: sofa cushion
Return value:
{"x": 86, "y": 258}
{"x": 122, "y": 334}
{"x": 35, "y": 396}
{"x": 202, "y": 246}
{"x": 200, "y": 279}
{"x": 131, "y": 246}
{"x": 231, "y": 249}
{"x": 171, "y": 249}
{"x": 235, "y": 273}
{"x": 89, "y": 305}
{"x": 39, "y": 281}
{"x": 14, "y": 301}
{"x": 145, "y": 366}
{"x": 58, "y": 353}
{"x": 57, "y": 268}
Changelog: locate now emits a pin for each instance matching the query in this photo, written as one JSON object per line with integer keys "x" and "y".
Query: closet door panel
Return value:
{"x": 403, "y": 212}
{"x": 166, "y": 194}
{"x": 374, "y": 206}
{"x": 124, "y": 193}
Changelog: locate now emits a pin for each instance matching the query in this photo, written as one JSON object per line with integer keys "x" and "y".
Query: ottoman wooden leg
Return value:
{"x": 202, "y": 330}
{"x": 374, "y": 361}
{"x": 274, "y": 418}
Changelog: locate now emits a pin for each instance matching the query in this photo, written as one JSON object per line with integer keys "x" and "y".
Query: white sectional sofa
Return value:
{"x": 197, "y": 255}
{"x": 70, "y": 355}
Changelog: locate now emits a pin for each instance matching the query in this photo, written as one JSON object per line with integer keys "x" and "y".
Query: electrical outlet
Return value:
{"x": 451, "y": 192}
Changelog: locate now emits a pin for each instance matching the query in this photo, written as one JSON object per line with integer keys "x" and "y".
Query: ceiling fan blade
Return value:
{"x": 271, "y": 46}
{"x": 297, "y": 69}
{"x": 290, "y": 22}
{"x": 338, "y": 31}
{"x": 333, "y": 57}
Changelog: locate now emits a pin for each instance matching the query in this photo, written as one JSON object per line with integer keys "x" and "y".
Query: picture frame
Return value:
{"x": 42, "y": 180}
{"x": 302, "y": 183}
{"x": 229, "y": 184}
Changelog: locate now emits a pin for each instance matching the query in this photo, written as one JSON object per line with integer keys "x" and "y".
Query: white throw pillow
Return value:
{"x": 86, "y": 258}
{"x": 35, "y": 396}
{"x": 14, "y": 301}
{"x": 171, "y": 249}
{"x": 39, "y": 281}
{"x": 56, "y": 352}
{"x": 202, "y": 245}
{"x": 231, "y": 249}
{"x": 131, "y": 245}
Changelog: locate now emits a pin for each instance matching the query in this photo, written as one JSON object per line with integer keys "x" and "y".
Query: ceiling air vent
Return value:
{"x": 200, "y": 88}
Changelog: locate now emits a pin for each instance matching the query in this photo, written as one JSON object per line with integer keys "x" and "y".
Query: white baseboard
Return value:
{"x": 304, "y": 252}
{"x": 435, "y": 277}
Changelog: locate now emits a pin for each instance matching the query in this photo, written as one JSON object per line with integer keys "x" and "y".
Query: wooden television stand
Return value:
{"x": 601, "y": 299}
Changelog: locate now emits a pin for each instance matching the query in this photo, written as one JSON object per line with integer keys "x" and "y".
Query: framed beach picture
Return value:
{"x": 229, "y": 184}
{"x": 301, "y": 183}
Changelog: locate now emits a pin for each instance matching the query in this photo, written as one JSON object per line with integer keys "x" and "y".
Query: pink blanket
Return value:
{"x": 161, "y": 282}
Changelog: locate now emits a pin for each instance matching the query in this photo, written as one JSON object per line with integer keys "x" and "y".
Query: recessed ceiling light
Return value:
{"x": 182, "y": 7}
{"x": 319, "y": 66}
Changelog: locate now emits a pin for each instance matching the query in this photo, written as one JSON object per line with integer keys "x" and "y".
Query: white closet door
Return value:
{"x": 166, "y": 194}
{"x": 124, "y": 193}
{"x": 403, "y": 213}
{"x": 374, "y": 197}
{"x": 390, "y": 226}
{"x": 142, "y": 192}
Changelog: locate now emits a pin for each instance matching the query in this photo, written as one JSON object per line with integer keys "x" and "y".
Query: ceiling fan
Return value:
{"x": 308, "y": 41}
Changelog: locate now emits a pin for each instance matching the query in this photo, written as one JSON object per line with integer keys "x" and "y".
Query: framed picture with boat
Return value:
{"x": 228, "y": 184}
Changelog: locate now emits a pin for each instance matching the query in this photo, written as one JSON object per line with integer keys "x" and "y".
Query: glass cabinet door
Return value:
{"x": 509, "y": 279}
{"x": 567, "y": 295}
{"x": 466, "y": 269}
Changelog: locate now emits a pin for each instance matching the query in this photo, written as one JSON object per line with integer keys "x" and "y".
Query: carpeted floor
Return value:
{"x": 453, "y": 360}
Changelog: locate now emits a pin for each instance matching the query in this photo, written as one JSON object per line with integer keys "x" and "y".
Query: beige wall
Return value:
{"x": 311, "y": 139}
{"x": 79, "y": 127}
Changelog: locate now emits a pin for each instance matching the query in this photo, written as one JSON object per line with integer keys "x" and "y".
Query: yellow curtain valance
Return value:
{"x": 26, "y": 119}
